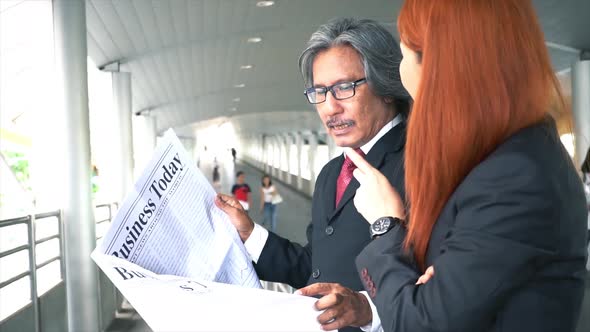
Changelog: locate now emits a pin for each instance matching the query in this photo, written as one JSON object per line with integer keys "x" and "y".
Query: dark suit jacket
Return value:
{"x": 508, "y": 249}
{"x": 335, "y": 235}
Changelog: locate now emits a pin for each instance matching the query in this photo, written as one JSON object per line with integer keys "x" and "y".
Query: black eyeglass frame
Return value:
{"x": 324, "y": 90}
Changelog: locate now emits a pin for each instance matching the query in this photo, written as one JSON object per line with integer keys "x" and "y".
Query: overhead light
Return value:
{"x": 254, "y": 40}
{"x": 241, "y": 85}
{"x": 233, "y": 109}
{"x": 264, "y": 3}
{"x": 246, "y": 66}
{"x": 236, "y": 100}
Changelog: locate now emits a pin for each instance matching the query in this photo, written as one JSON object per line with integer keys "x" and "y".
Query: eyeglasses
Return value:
{"x": 345, "y": 90}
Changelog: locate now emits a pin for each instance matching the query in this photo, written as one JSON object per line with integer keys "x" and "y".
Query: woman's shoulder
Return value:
{"x": 534, "y": 150}
{"x": 531, "y": 160}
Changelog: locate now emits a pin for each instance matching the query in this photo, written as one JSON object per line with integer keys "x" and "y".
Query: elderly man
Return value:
{"x": 351, "y": 70}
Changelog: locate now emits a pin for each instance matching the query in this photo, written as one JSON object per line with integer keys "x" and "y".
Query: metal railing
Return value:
{"x": 109, "y": 298}
{"x": 30, "y": 221}
{"x": 34, "y": 263}
{"x": 111, "y": 208}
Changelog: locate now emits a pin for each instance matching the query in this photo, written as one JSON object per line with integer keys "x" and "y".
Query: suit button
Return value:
{"x": 316, "y": 273}
{"x": 329, "y": 230}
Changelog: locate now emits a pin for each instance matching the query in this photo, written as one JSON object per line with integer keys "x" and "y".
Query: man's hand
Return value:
{"x": 236, "y": 213}
{"x": 343, "y": 306}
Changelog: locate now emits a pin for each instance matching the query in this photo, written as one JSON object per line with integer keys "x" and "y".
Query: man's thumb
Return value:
{"x": 221, "y": 203}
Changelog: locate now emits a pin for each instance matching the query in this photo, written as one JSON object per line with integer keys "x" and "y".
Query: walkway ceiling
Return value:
{"x": 186, "y": 56}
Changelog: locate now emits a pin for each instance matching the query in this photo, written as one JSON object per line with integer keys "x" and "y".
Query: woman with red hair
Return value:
{"x": 494, "y": 235}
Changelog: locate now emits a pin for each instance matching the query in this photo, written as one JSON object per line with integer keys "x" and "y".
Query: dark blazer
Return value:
{"x": 335, "y": 235}
{"x": 508, "y": 249}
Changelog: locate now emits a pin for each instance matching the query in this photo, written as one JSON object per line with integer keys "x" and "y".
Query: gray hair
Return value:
{"x": 378, "y": 49}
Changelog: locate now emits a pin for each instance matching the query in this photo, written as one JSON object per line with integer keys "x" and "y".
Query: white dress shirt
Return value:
{"x": 257, "y": 239}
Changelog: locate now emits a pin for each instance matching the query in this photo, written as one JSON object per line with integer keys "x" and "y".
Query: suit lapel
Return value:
{"x": 391, "y": 142}
{"x": 329, "y": 195}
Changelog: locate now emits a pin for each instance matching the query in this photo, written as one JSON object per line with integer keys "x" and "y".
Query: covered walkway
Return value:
{"x": 88, "y": 87}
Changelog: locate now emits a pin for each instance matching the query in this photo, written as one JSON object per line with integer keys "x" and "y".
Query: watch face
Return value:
{"x": 381, "y": 225}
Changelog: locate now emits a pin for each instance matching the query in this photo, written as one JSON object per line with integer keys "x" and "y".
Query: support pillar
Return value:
{"x": 69, "y": 26}
{"x": 313, "y": 147}
{"x": 288, "y": 141}
{"x": 581, "y": 109}
{"x": 260, "y": 148}
{"x": 299, "y": 144}
{"x": 123, "y": 151}
{"x": 266, "y": 161}
{"x": 144, "y": 140}
{"x": 281, "y": 148}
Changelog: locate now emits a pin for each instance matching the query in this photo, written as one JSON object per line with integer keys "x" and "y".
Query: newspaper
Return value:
{"x": 179, "y": 261}
{"x": 171, "y": 303}
{"x": 169, "y": 224}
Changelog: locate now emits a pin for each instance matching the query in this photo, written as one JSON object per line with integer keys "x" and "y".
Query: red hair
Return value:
{"x": 486, "y": 74}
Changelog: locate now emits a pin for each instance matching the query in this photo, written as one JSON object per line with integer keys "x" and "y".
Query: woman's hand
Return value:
{"x": 375, "y": 198}
{"x": 428, "y": 274}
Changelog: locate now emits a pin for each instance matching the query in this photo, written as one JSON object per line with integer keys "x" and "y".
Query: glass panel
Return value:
{"x": 48, "y": 276}
{"x": 305, "y": 171}
{"x": 276, "y": 155}
{"x": 101, "y": 213}
{"x": 284, "y": 161}
{"x": 46, "y": 251}
{"x": 13, "y": 265}
{"x": 321, "y": 158}
{"x": 15, "y": 296}
{"x": 101, "y": 229}
{"x": 46, "y": 227}
{"x": 294, "y": 159}
{"x": 28, "y": 94}
{"x": 13, "y": 236}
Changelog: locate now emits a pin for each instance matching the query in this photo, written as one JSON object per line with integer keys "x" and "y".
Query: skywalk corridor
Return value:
{"x": 88, "y": 88}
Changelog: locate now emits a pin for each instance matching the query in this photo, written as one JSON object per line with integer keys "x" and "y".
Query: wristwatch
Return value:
{"x": 383, "y": 225}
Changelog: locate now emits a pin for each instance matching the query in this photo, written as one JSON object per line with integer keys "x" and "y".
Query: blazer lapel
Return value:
{"x": 392, "y": 141}
{"x": 329, "y": 195}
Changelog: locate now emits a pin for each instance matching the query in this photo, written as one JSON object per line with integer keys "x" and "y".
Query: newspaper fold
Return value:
{"x": 175, "y": 304}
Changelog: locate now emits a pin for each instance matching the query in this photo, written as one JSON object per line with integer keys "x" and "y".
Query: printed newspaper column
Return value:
{"x": 169, "y": 224}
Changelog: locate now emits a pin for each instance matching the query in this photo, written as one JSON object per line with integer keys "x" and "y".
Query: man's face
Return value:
{"x": 355, "y": 121}
{"x": 241, "y": 179}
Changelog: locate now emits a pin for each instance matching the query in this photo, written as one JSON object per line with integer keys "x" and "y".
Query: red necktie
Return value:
{"x": 345, "y": 176}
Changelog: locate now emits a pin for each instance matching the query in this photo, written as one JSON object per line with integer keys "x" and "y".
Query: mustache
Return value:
{"x": 338, "y": 122}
